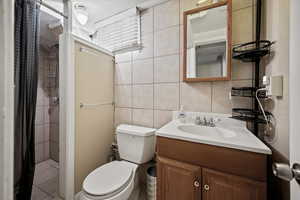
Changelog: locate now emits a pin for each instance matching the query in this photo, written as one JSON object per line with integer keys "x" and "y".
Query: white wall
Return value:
{"x": 277, "y": 29}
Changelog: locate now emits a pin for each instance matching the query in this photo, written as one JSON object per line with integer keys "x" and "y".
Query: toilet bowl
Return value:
{"x": 116, "y": 180}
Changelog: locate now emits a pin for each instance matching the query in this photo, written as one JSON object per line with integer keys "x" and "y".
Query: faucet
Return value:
{"x": 205, "y": 122}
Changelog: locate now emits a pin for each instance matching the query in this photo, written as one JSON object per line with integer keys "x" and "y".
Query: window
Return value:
{"x": 120, "y": 33}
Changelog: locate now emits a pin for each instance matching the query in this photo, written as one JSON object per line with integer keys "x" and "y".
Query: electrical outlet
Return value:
{"x": 274, "y": 85}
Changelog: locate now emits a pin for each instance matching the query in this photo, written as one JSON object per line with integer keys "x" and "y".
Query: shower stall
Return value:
{"x": 46, "y": 177}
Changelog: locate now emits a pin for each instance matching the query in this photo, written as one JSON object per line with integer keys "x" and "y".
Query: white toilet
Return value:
{"x": 116, "y": 180}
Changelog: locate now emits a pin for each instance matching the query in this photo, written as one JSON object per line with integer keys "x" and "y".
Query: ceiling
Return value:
{"x": 100, "y": 9}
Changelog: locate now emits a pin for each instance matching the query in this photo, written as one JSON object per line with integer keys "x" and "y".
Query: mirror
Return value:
{"x": 207, "y": 43}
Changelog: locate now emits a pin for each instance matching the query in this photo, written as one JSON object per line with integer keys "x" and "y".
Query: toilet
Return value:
{"x": 116, "y": 180}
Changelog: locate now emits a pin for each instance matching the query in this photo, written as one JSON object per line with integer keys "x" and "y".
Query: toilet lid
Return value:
{"x": 107, "y": 178}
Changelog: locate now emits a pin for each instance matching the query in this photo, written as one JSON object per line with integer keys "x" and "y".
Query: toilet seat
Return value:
{"x": 109, "y": 181}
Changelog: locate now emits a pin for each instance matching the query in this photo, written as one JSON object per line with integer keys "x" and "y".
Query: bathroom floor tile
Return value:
{"x": 50, "y": 186}
{"x": 38, "y": 194}
{"x": 45, "y": 186}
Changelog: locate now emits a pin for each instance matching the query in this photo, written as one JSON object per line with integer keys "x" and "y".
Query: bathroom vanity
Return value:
{"x": 224, "y": 162}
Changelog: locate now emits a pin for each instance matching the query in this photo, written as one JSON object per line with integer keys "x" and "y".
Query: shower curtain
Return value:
{"x": 26, "y": 78}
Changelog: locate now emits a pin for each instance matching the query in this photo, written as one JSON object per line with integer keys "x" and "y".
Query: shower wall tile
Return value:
{"x": 54, "y": 151}
{"x": 47, "y": 150}
{"x": 47, "y": 110}
{"x": 39, "y": 134}
{"x": 54, "y": 132}
{"x": 40, "y": 152}
{"x": 39, "y": 118}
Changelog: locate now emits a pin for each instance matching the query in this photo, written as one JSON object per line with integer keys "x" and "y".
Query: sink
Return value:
{"x": 207, "y": 131}
{"x": 197, "y": 130}
{"x": 228, "y": 132}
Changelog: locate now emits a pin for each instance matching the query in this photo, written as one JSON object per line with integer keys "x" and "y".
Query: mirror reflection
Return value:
{"x": 206, "y": 43}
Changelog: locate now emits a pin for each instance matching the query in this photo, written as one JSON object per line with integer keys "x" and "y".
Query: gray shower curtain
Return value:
{"x": 26, "y": 78}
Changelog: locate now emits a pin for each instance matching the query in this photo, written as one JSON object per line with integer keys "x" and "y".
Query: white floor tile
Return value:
{"x": 38, "y": 194}
{"x": 46, "y": 181}
{"x": 50, "y": 186}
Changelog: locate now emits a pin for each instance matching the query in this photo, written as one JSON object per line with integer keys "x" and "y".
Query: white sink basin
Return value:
{"x": 207, "y": 131}
{"x": 228, "y": 132}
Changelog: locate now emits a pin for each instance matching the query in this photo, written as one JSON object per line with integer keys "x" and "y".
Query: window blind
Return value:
{"x": 121, "y": 32}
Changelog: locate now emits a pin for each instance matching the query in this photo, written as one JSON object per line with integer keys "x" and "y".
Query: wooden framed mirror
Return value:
{"x": 207, "y": 42}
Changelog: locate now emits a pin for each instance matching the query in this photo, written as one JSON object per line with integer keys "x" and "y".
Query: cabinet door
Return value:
{"x": 220, "y": 186}
{"x": 178, "y": 181}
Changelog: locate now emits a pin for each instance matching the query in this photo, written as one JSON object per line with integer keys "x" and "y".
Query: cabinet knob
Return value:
{"x": 206, "y": 187}
{"x": 196, "y": 184}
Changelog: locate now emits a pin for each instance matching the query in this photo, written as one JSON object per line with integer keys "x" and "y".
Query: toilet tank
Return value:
{"x": 136, "y": 144}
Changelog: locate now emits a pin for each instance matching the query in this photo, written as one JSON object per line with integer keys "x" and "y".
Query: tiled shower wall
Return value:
{"x": 46, "y": 131}
{"x": 148, "y": 83}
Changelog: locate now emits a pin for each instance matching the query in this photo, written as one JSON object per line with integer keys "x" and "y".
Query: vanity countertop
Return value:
{"x": 243, "y": 139}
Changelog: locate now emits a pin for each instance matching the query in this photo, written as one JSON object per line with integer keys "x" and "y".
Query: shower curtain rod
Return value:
{"x": 41, "y": 2}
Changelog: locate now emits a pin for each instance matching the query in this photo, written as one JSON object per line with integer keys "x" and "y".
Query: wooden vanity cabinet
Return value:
{"x": 201, "y": 174}
{"x": 178, "y": 180}
{"x": 221, "y": 186}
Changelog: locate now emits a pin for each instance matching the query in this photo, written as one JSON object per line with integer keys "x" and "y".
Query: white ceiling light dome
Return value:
{"x": 81, "y": 13}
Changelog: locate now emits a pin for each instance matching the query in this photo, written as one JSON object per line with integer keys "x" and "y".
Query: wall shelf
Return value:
{"x": 252, "y": 51}
{"x": 246, "y": 92}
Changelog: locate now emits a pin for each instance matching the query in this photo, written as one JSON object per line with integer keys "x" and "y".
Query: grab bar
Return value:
{"x": 82, "y": 105}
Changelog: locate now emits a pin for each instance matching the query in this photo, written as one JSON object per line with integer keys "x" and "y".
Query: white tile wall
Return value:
{"x": 142, "y": 117}
{"x": 142, "y": 96}
{"x": 196, "y": 97}
{"x": 123, "y": 95}
{"x": 123, "y": 116}
{"x": 157, "y": 88}
{"x": 166, "y": 96}
{"x": 166, "y": 41}
{"x": 46, "y": 123}
{"x": 166, "y": 69}
{"x": 123, "y": 73}
{"x": 166, "y": 15}
{"x": 147, "y": 21}
{"x": 142, "y": 71}
{"x": 147, "y": 48}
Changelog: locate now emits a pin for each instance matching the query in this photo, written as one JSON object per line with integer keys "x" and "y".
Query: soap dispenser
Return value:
{"x": 182, "y": 115}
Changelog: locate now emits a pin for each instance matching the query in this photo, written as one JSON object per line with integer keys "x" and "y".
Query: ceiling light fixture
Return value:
{"x": 200, "y": 2}
{"x": 81, "y": 13}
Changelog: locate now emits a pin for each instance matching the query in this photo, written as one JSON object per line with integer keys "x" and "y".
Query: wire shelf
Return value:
{"x": 246, "y": 92}
{"x": 250, "y": 52}
{"x": 249, "y": 115}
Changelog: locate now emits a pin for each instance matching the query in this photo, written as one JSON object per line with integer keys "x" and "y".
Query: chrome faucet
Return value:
{"x": 205, "y": 122}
